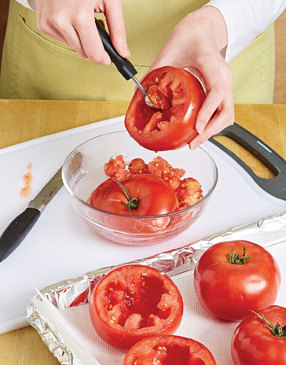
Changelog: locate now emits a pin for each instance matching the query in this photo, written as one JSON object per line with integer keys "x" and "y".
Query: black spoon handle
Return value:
{"x": 124, "y": 66}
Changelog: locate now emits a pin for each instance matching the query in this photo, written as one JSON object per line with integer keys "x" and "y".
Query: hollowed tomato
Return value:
{"x": 177, "y": 97}
{"x": 168, "y": 350}
{"x": 133, "y": 302}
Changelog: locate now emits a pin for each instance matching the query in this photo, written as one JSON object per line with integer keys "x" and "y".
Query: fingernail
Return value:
{"x": 200, "y": 129}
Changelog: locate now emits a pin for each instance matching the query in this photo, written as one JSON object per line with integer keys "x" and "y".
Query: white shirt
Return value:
{"x": 245, "y": 20}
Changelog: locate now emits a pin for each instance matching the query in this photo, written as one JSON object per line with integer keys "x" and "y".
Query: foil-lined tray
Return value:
{"x": 267, "y": 232}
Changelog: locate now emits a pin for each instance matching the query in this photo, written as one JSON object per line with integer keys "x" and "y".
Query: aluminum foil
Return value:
{"x": 267, "y": 232}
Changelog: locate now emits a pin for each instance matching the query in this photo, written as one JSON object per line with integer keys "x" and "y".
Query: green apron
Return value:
{"x": 34, "y": 66}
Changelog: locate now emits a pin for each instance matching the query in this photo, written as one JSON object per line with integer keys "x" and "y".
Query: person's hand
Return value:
{"x": 195, "y": 43}
{"x": 72, "y": 22}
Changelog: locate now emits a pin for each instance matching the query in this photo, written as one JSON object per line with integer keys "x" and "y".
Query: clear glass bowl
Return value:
{"x": 83, "y": 171}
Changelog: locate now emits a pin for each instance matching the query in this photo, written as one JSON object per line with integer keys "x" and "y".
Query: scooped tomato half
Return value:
{"x": 232, "y": 278}
{"x": 177, "y": 97}
{"x": 169, "y": 350}
{"x": 133, "y": 302}
{"x": 261, "y": 338}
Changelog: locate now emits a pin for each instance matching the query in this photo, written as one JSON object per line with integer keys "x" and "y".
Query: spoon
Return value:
{"x": 124, "y": 66}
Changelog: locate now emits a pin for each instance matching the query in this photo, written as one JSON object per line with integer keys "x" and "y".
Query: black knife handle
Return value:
{"x": 124, "y": 66}
{"x": 17, "y": 231}
{"x": 275, "y": 186}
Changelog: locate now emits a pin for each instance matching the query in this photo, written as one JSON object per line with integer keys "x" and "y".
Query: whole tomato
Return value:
{"x": 139, "y": 195}
{"x": 168, "y": 350}
{"x": 234, "y": 277}
{"x": 132, "y": 302}
{"x": 177, "y": 96}
{"x": 260, "y": 339}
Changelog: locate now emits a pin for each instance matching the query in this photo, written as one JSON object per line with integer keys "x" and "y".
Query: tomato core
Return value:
{"x": 174, "y": 355}
{"x": 143, "y": 302}
{"x": 168, "y": 350}
{"x": 133, "y": 302}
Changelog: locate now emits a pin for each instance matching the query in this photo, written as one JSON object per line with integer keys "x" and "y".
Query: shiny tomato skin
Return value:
{"x": 132, "y": 302}
{"x": 97, "y": 196}
{"x": 173, "y": 125}
{"x": 229, "y": 291}
{"x": 155, "y": 196}
{"x": 254, "y": 344}
{"x": 168, "y": 350}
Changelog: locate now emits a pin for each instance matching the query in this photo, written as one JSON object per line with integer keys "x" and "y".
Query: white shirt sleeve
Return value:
{"x": 246, "y": 19}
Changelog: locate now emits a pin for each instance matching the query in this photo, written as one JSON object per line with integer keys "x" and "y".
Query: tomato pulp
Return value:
{"x": 133, "y": 302}
{"x": 228, "y": 289}
{"x": 177, "y": 96}
{"x": 168, "y": 350}
{"x": 253, "y": 342}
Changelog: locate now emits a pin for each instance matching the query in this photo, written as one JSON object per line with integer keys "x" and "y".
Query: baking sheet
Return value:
{"x": 69, "y": 333}
{"x": 62, "y": 246}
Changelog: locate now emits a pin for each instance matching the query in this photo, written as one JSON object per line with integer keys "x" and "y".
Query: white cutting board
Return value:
{"x": 62, "y": 246}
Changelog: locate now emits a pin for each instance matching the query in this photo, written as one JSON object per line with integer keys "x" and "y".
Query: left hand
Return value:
{"x": 195, "y": 43}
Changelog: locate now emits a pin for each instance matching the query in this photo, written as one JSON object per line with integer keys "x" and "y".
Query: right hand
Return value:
{"x": 72, "y": 22}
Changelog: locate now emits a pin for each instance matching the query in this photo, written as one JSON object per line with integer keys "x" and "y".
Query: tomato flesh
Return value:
{"x": 168, "y": 350}
{"x": 133, "y": 302}
{"x": 177, "y": 97}
{"x": 156, "y": 185}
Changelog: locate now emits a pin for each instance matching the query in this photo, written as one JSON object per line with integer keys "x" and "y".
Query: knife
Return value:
{"x": 23, "y": 223}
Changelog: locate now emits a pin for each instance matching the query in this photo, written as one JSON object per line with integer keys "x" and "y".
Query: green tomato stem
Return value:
{"x": 133, "y": 203}
{"x": 276, "y": 330}
{"x": 233, "y": 257}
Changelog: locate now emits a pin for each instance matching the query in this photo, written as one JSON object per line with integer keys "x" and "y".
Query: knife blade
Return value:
{"x": 17, "y": 230}
{"x": 22, "y": 224}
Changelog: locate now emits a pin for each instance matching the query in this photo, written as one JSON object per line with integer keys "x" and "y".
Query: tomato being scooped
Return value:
{"x": 168, "y": 350}
{"x": 133, "y": 302}
{"x": 177, "y": 97}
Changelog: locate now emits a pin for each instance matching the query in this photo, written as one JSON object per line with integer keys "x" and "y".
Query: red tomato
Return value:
{"x": 229, "y": 290}
{"x": 168, "y": 350}
{"x": 179, "y": 96}
{"x": 256, "y": 343}
{"x": 114, "y": 165}
{"x": 160, "y": 167}
{"x": 151, "y": 194}
{"x": 97, "y": 196}
{"x": 133, "y": 302}
{"x": 189, "y": 192}
{"x": 137, "y": 166}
